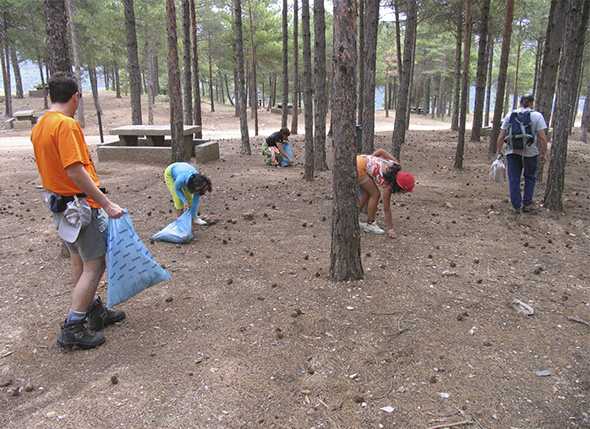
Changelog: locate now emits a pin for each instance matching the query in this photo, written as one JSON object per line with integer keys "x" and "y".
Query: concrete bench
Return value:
{"x": 160, "y": 155}
{"x": 153, "y": 136}
{"x": 26, "y": 115}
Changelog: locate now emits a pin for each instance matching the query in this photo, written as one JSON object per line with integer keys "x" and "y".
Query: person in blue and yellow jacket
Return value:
{"x": 186, "y": 186}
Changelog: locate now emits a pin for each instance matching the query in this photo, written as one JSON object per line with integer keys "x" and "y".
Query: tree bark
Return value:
{"x": 197, "y": 114}
{"x": 133, "y": 69}
{"x": 5, "y": 61}
{"x": 586, "y": 116}
{"x": 501, "y": 85}
{"x": 76, "y": 57}
{"x": 179, "y": 152}
{"x": 360, "y": 95}
{"x": 482, "y": 68}
{"x": 489, "y": 83}
{"x": 212, "y": 100}
{"x": 58, "y": 46}
{"x": 576, "y": 23}
{"x": 370, "y": 68}
{"x": 105, "y": 76}
{"x": 117, "y": 81}
{"x": 345, "y": 252}
{"x": 551, "y": 53}
{"x": 538, "y": 59}
{"x": 516, "y": 72}
{"x": 187, "y": 63}
{"x": 399, "y": 131}
{"x": 285, "y": 102}
{"x": 254, "y": 83}
{"x": 241, "y": 102}
{"x": 321, "y": 86}
{"x": 296, "y": 89}
{"x": 17, "y": 76}
{"x": 457, "y": 91}
{"x": 465, "y": 86}
{"x": 308, "y": 93}
{"x": 151, "y": 81}
{"x": 398, "y": 39}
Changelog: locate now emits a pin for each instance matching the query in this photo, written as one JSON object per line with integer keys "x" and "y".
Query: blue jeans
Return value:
{"x": 515, "y": 165}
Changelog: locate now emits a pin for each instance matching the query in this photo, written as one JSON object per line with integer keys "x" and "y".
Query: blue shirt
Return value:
{"x": 181, "y": 172}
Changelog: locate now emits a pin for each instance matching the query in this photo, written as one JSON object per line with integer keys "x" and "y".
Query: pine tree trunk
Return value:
{"x": 197, "y": 114}
{"x": 586, "y": 116}
{"x": 399, "y": 131}
{"x": 94, "y": 88}
{"x": 369, "y": 58}
{"x": 486, "y": 120}
{"x": 105, "y": 76}
{"x": 6, "y": 78}
{"x": 187, "y": 93}
{"x": 151, "y": 81}
{"x": 17, "y": 76}
{"x": 117, "y": 81}
{"x": 58, "y": 46}
{"x": 386, "y": 96}
{"x": 254, "y": 84}
{"x": 516, "y": 72}
{"x": 241, "y": 101}
{"x": 320, "y": 85}
{"x": 538, "y": 59}
{"x": 576, "y": 23}
{"x": 482, "y": 68}
{"x": 212, "y": 100}
{"x": 457, "y": 91}
{"x": 296, "y": 89}
{"x": 411, "y": 92}
{"x": 501, "y": 86}
{"x": 157, "y": 74}
{"x": 40, "y": 64}
{"x": 76, "y": 58}
{"x": 578, "y": 93}
{"x": 236, "y": 88}
{"x": 345, "y": 252}
{"x": 360, "y": 95}
{"x": 308, "y": 93}
{"x": 465, "y": 86}
{"x": 179, "y": 151}
{"x": 398, "y": 40}
{"x": 550, "y": 63}
{"x": 133, "y": 69}
{"x": 285, "y": 102}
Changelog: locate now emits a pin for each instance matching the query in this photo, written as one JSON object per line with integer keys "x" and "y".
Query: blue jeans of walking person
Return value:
{"x": 515, "y": 166}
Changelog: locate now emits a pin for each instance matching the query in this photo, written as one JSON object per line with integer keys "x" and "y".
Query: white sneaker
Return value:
{"x": 200, "y": 221}
{"x": 372, "y": 228}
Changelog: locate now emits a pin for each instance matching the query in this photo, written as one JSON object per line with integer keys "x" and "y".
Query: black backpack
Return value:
{"x": 520, "y": 133}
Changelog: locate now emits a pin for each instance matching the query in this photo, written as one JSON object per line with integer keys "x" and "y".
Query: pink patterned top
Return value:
{"x": 376, "y": 167}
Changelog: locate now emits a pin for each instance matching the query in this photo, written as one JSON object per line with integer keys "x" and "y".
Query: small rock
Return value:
{"x": 388, "y": 409}
{"x": 447, "y": 273}
{"x": 538, "y": 270}
{"x": 14, "y": 391}
{"x": 358, "y": 399}
{"x": 229, "y": 281}
{"x": 543, "y": 373}
{"x": 169, "y": 299}
{"x": 487, "y": 344}
{"x": 306, "y": 257}
{"x": 317, "y": 274}
{"x": 452, "y": 265}
{"x": 279, "y": 333}
{"x": 5, "y": 381}
{"x": 29, "y": 387}
{"x": 248, "y": 216}
{"x": 444, "y": 395}
{"x": 433, "y": 379}
{"x": 476, "y": 261}
{"x": 274, "y": 285}
{"x": 114, "y": 380}
{"x": 297, "y": 313}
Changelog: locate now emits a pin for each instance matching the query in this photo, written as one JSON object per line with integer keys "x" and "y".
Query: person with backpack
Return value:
{"x": 523, "y": 132}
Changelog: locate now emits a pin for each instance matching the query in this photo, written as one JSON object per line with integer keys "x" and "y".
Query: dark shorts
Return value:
{"x": 91, "y": 243}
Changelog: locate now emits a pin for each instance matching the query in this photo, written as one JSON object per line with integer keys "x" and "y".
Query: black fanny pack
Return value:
{"x": 59, "y": 203}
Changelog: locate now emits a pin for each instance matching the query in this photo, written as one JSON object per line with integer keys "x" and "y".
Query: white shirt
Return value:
{"x": 537, "y": 124}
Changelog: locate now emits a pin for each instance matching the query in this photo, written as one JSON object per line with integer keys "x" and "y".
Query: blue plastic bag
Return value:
{"x": 289, "y": 151}
{"x": 179, "y": 231}
{"x": 131, "y": 267}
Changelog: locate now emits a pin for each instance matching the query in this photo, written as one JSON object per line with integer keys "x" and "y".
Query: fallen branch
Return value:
{"x": 450, "y": 425}
{"x": 6, "y": 354}
{"x": 578, "y": 320}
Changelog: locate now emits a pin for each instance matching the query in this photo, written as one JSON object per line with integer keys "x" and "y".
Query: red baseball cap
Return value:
{"x": 406, "y": 181}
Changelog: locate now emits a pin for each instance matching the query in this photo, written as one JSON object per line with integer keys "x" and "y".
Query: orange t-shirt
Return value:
{"x": 59, "y": 142}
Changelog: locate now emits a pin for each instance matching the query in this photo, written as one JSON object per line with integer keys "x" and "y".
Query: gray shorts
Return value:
{"x": 91, "y": 243}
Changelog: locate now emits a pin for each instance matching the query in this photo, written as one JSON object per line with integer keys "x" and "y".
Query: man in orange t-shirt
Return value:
{"x": 72, "y": 193}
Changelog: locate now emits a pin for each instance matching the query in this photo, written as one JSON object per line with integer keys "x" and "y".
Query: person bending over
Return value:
{"x": 380, "y": 170}
{"x": 186, "y": 187}
{"x": 277, "y": 150}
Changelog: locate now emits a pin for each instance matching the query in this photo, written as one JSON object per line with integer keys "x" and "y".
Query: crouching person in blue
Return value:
{"x": 186, "y": 186}
{"x": 523, "y": 132}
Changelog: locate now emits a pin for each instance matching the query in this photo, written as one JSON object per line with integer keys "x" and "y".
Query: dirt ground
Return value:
{"x": 251, "y": 333}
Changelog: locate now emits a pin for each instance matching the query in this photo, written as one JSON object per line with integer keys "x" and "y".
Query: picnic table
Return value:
{"x": 154, "y": 134}
{"x": 26, "y": 115}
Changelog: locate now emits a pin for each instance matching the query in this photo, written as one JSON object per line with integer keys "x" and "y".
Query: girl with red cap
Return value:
{"x": 380, "y": 170}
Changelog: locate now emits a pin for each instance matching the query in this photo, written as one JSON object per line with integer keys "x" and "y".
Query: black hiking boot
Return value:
{"x": 78, "y": 335}
{"x": 530, "y": 209}
{"x": 99, "y": 316}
